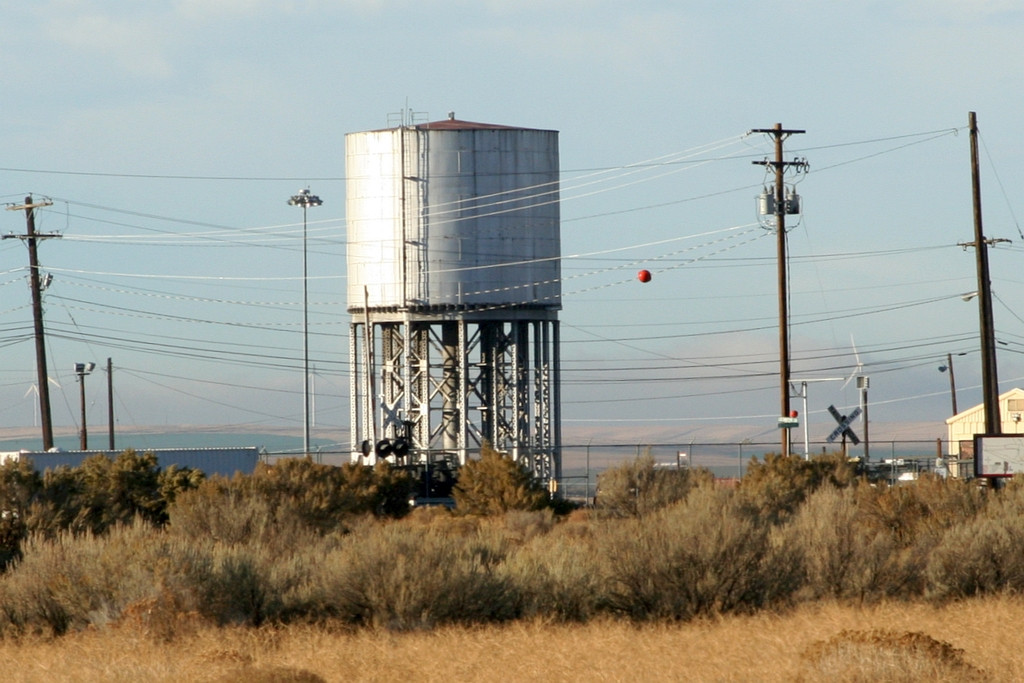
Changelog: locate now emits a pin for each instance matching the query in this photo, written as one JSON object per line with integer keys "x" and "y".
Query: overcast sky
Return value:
{"x": 169, "y": 136}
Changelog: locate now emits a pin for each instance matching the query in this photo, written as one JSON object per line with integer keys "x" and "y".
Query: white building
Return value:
{"x": 962, "y": 427}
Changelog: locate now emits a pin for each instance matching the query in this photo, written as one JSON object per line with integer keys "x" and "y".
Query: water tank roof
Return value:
{"x": 457, "y": 124}
{"x": 452, "y": 123}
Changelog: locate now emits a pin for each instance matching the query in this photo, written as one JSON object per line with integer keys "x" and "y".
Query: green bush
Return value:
{"x": 496, "y": 484}
{"x": 324, "y": 495}
{"x": 102, "y": 492}
{"x": 19, "y": 485}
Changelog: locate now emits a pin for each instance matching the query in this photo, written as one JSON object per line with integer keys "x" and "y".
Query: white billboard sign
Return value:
{"x": 998, "y": 455}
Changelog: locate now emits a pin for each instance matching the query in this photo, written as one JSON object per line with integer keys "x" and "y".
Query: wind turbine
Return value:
{"x": 34, "y": 389}
{"x": 863, "y": 382}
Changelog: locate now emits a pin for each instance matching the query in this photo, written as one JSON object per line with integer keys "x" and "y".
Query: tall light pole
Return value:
{"x": 83, "y": 369}
{"x": 952, "y": 379}
{"x": 305, "y": 200}
{"x": 110, "y": 402}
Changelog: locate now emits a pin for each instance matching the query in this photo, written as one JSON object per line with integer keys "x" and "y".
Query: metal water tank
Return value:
{"x": 453, "y": 215}
{"x": 454, "y": 291}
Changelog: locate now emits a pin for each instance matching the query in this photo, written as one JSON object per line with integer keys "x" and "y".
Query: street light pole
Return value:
{"x": 952, "y": 380}
{"x": 110, "y": 402}
{"x": 83, "y": 369}
{"x": 305, "y": 200}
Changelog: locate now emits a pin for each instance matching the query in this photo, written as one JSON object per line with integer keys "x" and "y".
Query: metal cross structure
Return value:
{"x": 844, "y": 425}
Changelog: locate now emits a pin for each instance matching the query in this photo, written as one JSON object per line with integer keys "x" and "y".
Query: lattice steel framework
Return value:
{"x": 451, "y": 385}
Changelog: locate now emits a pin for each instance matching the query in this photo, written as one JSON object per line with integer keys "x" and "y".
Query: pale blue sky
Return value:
{"x": 170, "y": 135}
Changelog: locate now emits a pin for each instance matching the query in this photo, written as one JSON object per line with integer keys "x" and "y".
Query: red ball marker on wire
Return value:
{"x": 644, "y": 276}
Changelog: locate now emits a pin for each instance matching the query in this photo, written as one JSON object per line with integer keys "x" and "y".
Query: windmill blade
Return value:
{"x": 33, "y": 389}
{"x": 858, "y": 367}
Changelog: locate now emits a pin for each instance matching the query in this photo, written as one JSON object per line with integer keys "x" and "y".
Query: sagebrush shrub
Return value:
{"x": 638, "y": 487}
{"x": 558, "y": 575}
{"x": 701, "y": 556}
{"x": 981, "y": 554}
{"x": 70, "y": 581}
{"x": 842, "y": 555}
{"x": 402, "y": 577}
{"x": 229, "y": 512}
{"x": 775, "y": 487}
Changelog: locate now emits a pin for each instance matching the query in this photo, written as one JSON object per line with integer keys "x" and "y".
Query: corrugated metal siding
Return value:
{"x": 469, "y": 219}
{"x": 223, "y": 461}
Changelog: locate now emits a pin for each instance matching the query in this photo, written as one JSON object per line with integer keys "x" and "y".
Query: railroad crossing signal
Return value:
{"x": 844, "y": 425}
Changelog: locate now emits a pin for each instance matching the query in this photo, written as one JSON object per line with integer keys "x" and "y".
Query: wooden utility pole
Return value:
{"x": 989, "y": 373}
{"x": 42, "y": 377}
{"x": 780, "y": 166}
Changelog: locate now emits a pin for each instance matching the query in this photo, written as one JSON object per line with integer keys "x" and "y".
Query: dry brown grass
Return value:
{"x": 972, "y": 640}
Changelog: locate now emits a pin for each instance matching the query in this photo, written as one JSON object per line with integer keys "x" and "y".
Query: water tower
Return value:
{"x": 454, "y": 288}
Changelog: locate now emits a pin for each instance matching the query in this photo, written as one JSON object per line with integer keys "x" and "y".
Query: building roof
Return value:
{"x": 979, "y": 410}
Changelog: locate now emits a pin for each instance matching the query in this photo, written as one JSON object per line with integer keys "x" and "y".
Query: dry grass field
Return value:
{"x": 977, "y": 640}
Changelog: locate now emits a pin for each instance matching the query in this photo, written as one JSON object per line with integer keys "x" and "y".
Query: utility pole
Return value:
{"x": 110, "y": 401}
{"x": 781, "y": 208}
{"x": 42, "y": 377}
{"x": 989, "y": 373}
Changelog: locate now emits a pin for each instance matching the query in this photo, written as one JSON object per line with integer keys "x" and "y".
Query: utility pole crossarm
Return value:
{"x": 778, "y": 130}
{"x": 29, "y": 204}
{"x": 989, "y": 241}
